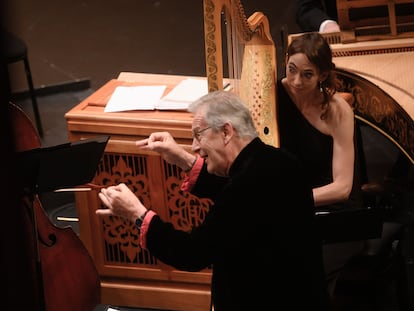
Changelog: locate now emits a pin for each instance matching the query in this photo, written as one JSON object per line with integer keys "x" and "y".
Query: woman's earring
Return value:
{"x": 320, "y": 87}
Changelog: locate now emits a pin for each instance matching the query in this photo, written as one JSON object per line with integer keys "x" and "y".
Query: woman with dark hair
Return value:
{"x": 317, "y": 125}
{"x": 315, "y": 122}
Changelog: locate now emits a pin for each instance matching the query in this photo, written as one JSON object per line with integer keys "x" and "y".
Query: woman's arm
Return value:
{"x": 342, "y": 126}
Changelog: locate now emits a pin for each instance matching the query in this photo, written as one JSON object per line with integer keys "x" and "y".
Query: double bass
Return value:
{"x": 65, "y": 275}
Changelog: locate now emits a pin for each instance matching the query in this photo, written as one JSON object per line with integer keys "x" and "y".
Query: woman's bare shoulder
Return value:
{"x": 342, "y": 106}
{"x": 341, "y": 115}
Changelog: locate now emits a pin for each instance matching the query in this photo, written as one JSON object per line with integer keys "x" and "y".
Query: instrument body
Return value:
{"x": 66, "y": 277}
{"x": 378, "y": 76}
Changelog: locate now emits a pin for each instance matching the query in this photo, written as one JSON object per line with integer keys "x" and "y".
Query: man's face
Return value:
{"x": 209, "y": 144}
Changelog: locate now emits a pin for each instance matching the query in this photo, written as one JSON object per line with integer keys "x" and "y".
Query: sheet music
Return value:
{"x": 184, "y": 93}
{"x": 126, "y": 98}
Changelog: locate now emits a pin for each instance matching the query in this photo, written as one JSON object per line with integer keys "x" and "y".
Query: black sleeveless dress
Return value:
{"x": 315, "y": 150}
{"x": 312, "y": 147}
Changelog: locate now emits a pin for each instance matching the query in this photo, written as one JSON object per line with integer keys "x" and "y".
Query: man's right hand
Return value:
{"x": 164, "y": 144}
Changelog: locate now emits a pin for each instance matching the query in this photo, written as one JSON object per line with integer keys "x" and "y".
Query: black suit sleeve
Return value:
{"x": 311, "y": 13}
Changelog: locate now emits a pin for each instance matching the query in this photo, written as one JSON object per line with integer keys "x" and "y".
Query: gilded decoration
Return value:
{"x": 210, "y": 38}
{"x": 378, "y": 109}
{"x": 258, "y": 57}
{"x": 260, "y": 96}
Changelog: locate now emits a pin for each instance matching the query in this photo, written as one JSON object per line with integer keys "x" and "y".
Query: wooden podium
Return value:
{"x": 129, "y": 275}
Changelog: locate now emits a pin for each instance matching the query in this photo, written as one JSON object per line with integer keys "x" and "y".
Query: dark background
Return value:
{"x": 96, "y": 39}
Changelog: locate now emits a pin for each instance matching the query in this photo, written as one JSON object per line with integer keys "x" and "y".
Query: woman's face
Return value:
{"x": 302, "y": 76}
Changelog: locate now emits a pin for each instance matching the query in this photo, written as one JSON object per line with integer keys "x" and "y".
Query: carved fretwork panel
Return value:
{"x": 380, "y": 111}
{"x": 120, "y": 237}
